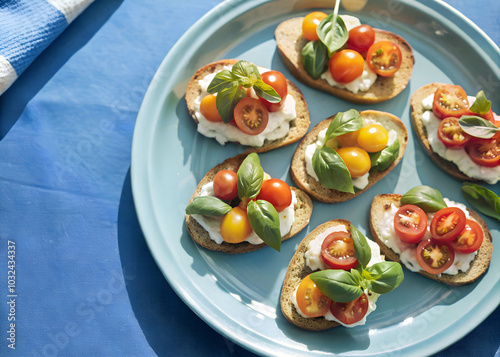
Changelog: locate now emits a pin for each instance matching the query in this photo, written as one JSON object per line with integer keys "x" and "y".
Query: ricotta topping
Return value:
{"x": 360, "y": 84}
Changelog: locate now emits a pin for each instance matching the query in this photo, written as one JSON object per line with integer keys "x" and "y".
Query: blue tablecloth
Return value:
{"x": 86, "y": 284}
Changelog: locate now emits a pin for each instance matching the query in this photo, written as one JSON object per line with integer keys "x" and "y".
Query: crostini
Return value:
{"x": 460, "y": 133}
{"x": 238, "y": 208}
{"x": 335, "y": 278}
{"x": 351, "y": 61}
{"x": 438, "y": 238}
{"x": 236, "y": 101}
{"x": 346, "y": 154}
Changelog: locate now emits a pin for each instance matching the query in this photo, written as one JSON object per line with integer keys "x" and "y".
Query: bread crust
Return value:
{"x": 478, "y": 266}
{"x": 319, "y": 192}
{"x": 303, "y": 211}
{"x": 290, "y": 42}
{"x": 298, "y": 126}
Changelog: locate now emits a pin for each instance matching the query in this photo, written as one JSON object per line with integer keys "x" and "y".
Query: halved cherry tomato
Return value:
{"x": 278, "y": 81}
{"x": 410, "y": 223}
{"x": 276, "y": 192}
{"x": 208, "y": 108}
{"x": 352, "y": 311}
{"x": 470, "y": 239}
{"x": 310, "y": 300}
{"x": 349, "y": 139}
{"x": 490, "y": 116}
{"x": 484, "y": 152}
{"x": 450, "y": 101}
{"x": 225, "y": 185}
{"x": 338, "y": 252}
{"x": 435, "y": 256}
{"x": 356, "y": 159}
{"x": 447, "y": 223}
{"x": 451, "y": 134}
{"x": 373, "y": 138}
{"x": 384, "y": 58}
{"x": 310, "y": 24}
{"x": 361, "y": 38}
{"x": 251, "y": 116}
{"x": 235, "y": 226}
{"x": 346, "y": 65}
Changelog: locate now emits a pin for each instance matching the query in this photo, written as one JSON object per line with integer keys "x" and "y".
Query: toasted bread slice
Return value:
{"x": 298, "y": 127}
{"x": 319, "y": 192}
{"x": 303, "y": 211}
{"x": 290, "y": 42}
{"x": 478, "y": 266}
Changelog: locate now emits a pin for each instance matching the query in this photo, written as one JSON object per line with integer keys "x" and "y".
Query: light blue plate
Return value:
{"x": 239, "y": 295}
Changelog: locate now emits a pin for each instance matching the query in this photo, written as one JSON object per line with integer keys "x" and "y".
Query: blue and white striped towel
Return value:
{"x": 27, "y": 27}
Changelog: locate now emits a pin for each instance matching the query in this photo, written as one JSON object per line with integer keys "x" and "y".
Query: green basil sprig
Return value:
{"x": 250, "y": 177}
{"x": 345, "y": 286}
{"x": 481, "y": 105}
{"x": 383, "y": 159}
{"x": 477, "y": 126}
{"x": 208, "y": 206}
{"x": 265, "y": 222}
{"x": 230, "y": 88}
{"x": 425, "y": 197}
{"x": 315, "y": 58}
{"x": 484, "y": 200}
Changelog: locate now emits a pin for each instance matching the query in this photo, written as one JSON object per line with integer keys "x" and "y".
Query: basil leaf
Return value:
{"x": 344, "y": 122}
{"x": 246, "y": 72}
{"x": 265, "y": 221}
{"x": 208, "y": 206}
{"x": 425, "y": 197}
{"x": 331, "y": 170}
{"x": 315, "y": 58}
{"x": 361, "y": 247}
{"x": 265, "y": 91}
{"x": 481, "y": 105}
{"x": 250, "y": 176}
{"x": 477, "y": 127}
{"x": 333, "y": 33}
{"x": 221, "y": 81}
{"x": 385, "y": 276}
{"x": 226, "y": 101}
{"x": 338, "y": 285}
{"x": 383, "y": 159}
{"x": 484, "y": 200}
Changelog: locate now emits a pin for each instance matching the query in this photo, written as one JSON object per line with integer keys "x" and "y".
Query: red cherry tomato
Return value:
{"x": 251, "y": 116}
{"x": 310, "y": 24}
{"x": 352, "y": 311}
{"x": 490, "y": 116}
{"x": 278, "y": 81}
{"x": 447, "y": 223}
{"x": 346, "y": 65}
{"x": 435, "y": 256}
{"x": 361, "y": 38}
{"x": 450, "y": 101}
{"x": 226, "y": 185}
{"x": 410, "y": 223}
{"x": 338, "y": 252}
{"x": 451, "y": 134}
{"x": 384, "y": 58}
{"x": 276, "y": 192}
{"x": 310, "y": 300}
{"x": 470, "y": 239}
{"x": 484, "y": 152}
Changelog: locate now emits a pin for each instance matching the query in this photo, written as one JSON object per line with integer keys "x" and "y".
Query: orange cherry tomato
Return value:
{"x": 470, "y": 239}
{"x": 278, "y": 81}
{"x": 451, "y": 134}
{"x": 251, "y": 116}
{"x": 352, "y": 311}
{"x": 337, "y": 251}
{"x": 208, "y": 108}
{"x": 235, "y": 226}
{"x": 410, "y": 223}
{"x": 450, "y": 101}
{"x": 447, "y": 223}
{"x": 276, "y": 192}
{"x": 384, "y": 58}
{"x": 361, "y": 38}
{"x": 434, "y": 256}
{"x": 310, "y": 24}
{"x": 346, "y": 65}
{"x": 225, "y": 185}
{"x": 349, "y": 139}
{"x": 356, "y": 159}
{"x": 310, "y": 300}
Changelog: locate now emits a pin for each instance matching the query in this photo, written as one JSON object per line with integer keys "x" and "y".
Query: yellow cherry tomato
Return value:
{"x": 356, "y": 159}
{"x": 373, "y": 138}
{"x": 208, "y": 108}
{"x": 235, "y": 226}
{"x": 349, "y": 139}
{"x": 310, "y": 23}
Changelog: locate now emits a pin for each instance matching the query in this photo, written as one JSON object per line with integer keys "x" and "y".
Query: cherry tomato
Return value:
{"x": 235, "y": 226}
{"x": 470, "y": 239}
{"x": 310, "y": 300}
{"x": 356, "y": 159}
{"x": 338, "y": 252}
{"x": 490, "y": 115}
{"x": 251, "y": 116}
{"x": 450, "y": 101}
{"x": 384, "y": 58}
{"x": 226, "y": 185}
{"x": 352, "y": 311}
{"x": 447, "y": 223}
{"x": 410, "y": 223}
{"x": 361, "y": 38}
{"x": 310, "y": 24}
{"x": 373, "y": 138}
{"x": 278, "y": 81}
{"x": 451, "y": 134}
{"x": 435, "y": 256}
{"x": 208, "y": 108}
{"x": 346, "y": 65}
{"x": 349, "y": 139}
{"x": 276, "y": 192}
{"x": 484, "y": 152}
